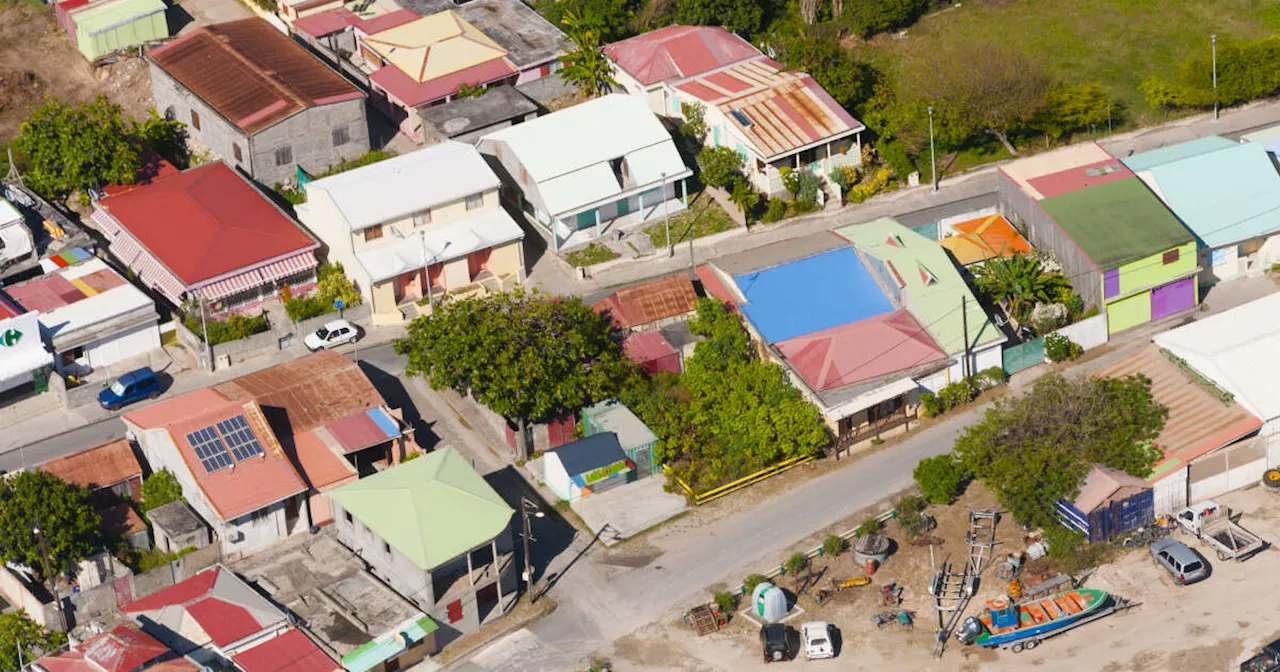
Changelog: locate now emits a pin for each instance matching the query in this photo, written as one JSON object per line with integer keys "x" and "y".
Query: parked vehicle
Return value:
{"x": 815, "y": 636}
{"x": 776, "y": 645}
{"x": 1267, "y": 660}
{"x": 1182, "y": 563}
{"x": 1023, "y": 625}
{"x": 133, "y": 386}
{"x": 331, "y": 335}
{"x": 1212, "y": 524}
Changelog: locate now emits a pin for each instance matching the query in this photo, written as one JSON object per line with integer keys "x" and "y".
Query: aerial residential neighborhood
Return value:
{"x": 525, "y": 335}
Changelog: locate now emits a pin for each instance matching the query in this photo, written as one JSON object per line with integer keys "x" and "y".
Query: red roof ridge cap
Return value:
{"x": 267, "y": 75}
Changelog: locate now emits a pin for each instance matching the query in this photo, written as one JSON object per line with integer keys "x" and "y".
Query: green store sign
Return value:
{"x": 10, "y": 337}
{"x": 605, "y": 472}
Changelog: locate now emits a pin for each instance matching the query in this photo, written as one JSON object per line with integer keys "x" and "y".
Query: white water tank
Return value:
{"x": 770, "y": 602}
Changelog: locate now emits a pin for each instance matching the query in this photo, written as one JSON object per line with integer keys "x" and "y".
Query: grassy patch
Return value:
{"x": 703, "y": 217}
{"x": 593, "y": 253}
{"x": 1117, "y": 43}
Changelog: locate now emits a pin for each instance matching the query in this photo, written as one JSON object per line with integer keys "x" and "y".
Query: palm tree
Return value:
{"x": 586, "y": 67}
{"x": 744, "y": 197}
{"x": 1021, "y": 281}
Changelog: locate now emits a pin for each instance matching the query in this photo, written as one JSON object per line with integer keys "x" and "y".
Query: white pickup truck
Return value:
{"x": 1212, "y": 525}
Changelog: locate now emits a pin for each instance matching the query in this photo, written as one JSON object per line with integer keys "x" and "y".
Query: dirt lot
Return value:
{"x": 38, "y": 60}
{"x": 1209, "y": 626}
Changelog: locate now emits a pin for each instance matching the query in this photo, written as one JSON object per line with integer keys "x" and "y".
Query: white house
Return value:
{"x": 605, "y": 164}
{"x": 15, "y": 238}
{"x": 430, "y": 218}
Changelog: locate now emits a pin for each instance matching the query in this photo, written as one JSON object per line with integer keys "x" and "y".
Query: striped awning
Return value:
{"x": 233, "y": 285}
{"x": 151, "y": 272}
{"x": 287, "y": 267}
{"x": 105, "y": 223}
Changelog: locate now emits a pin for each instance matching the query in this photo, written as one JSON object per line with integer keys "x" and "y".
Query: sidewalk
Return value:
{"x": 50, "y": 423}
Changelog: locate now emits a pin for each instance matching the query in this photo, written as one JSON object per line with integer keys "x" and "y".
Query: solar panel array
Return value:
{"x": 211, "y": 443}
{"x": 240, "y": 438}
{"x": 210, "y": 449}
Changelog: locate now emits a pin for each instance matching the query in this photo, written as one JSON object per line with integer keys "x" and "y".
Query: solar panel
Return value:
{"x": 240, "y": 438}
{"x": 209, "y": 449}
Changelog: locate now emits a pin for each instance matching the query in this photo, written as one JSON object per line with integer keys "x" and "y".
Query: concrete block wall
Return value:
{"x": 215, "y": 132}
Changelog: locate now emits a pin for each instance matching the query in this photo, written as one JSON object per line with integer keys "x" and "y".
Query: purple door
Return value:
{"x": 1173, "y": 297}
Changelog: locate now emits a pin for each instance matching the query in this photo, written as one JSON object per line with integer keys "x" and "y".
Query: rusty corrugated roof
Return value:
{"x": 98, "y": 467}
{"x": 650, "y": 302}
{"x": 1198, "y": 421}
{"x": 251, "y": 73}
{"x": 314, "y": 390}
{"x": 778, "y": 110}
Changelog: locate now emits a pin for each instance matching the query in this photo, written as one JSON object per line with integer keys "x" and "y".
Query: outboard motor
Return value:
{"x": 969, "y": 630}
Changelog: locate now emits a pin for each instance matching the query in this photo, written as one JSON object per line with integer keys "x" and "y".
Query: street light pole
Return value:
{"x": 666, "y": 212}
{"x": 1213, "y": 45}
{"x": 528, "y": 507}
{"x": 933, "y": 161}
{"x": 204, "y": 326}
{"x": 426, "y": 272}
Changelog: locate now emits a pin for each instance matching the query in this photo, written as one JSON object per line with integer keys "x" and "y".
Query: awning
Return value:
{"x": 871, "y": 398}
{"x": 287, "y": 267}
{"x": 151, "y": 272}
{"x": 232, "y": 285}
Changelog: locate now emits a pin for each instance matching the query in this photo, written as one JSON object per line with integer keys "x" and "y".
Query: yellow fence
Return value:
{"x": 702, "y": 498}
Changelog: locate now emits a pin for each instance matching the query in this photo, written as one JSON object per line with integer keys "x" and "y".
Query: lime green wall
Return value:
{"x": 1152, "y": 272}
{"x": 1128, "y": 312}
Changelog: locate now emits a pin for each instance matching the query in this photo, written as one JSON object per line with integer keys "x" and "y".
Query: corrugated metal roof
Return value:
{"x": 1183, "y": 150}
{"x": 862, "y": 350}
{"x": 427, "y": 55}
{"x": 984, "y": 238}
{"x": 251, "y": 73}
{"x": 650, "y": 302}
{"x": 1117, "y": 222}
{"x": 98, "y": 467}
{"x": 1198, "y": 421}
{"x": 291, "y": 652}
{"x": 1066, "y": 158}
{"x": 678, "y": 52}
{"x": 104, "y": 16}
{"x": 778, "y": 111}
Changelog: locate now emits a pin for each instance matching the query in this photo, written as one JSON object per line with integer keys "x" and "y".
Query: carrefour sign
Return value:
{"x": 10, "y": 337}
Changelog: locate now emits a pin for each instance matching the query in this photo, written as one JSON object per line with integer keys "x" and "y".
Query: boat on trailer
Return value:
{"x": 1023, "y": 625}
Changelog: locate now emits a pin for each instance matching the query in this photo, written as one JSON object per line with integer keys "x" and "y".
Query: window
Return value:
{"x": 422, "y": 218}
{"x": 284, "y": 155}
{"x": 170, "y": 114}
{"x": 235, "y": 150}
{"x": 341, "y": 136}
{"x": 475, "y": 201}
{"x": 373, "y": 233}
{"x": 1171, "y": 257}
{"x": 386, "y": 548}
{"x": 195, "y": 120}
{"x": 347, "y": 515}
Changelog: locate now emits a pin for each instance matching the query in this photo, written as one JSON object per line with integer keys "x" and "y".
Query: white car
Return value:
{"x": 815, "y": 636}
{"x": 331, "y": 335}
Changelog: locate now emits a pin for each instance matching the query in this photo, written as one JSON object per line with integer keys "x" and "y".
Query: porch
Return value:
{"x": 413, "y": 305}
{"x": 767, "y": 177}
{"x": 874, "y": 425}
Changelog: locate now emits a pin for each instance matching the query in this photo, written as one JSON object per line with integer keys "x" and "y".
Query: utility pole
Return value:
{"x": 527, "y": 507}
{"x": 48, "y": 573}
{"x": 693, "y": 275}
{"x": 666, "y": 211}
{"x": 426, "y": 272}
{"x": 964, "y": 326}
{"x": 1213, "y": 45}
{"x": 204, "y": 326}
{"x": 933, "y": 160}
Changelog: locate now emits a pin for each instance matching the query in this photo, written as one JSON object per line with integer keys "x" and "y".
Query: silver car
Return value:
{"x": 1185, "y": 565}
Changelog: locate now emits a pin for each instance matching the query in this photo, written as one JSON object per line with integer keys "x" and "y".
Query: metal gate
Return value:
{"x": 642, "y": 457}
{"x": 1022, "y": 356}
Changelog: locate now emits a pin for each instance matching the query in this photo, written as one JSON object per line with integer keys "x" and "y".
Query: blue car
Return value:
{"x": 134, "y": 386}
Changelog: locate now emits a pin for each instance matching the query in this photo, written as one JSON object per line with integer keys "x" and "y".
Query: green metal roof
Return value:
{"x": 933, "y": 287}
{"x": 369, "y": 655}
{"x": 1117, "y": 222}
{"x": 98, "y": 18}
{"x": 431, "y": 509}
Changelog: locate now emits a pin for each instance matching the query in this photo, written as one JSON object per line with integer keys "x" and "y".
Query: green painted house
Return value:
{"x": 103, "y": 27}
{"x": 437, "y": 534}
{"x": 1123, "y": 250}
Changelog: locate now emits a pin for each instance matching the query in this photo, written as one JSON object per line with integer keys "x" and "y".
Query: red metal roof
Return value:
{"x": 123, "y": 649}
{"x": 1075, "y": 179}
{"x": 99, "y": 467}
{"x": 8, "y": 308}
{"x": 225, "y": 623}
{"x": 860, "y": 351}
{"x": 676, "y": 52}
{"x": 781, "y": 110}
{"x": 713, "y": 287}
{"x": 291, "y": 652}
{"x": 414, "y": 93}
{"x": 335, "y": 20}
{"x": 650, "y": 302}
{"x": 321, "y": 465}
{"x": 179, "y": 594}
{"x": 207, "y": 222}
{"x": 251, "y": 73}
{"x": 220, "y": 604}
{"x": 152, "y": 168}
{"x": 646, "y": 346}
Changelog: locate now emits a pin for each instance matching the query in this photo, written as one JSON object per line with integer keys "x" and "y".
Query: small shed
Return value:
{"x": 652, "y": 352}
{"x": 583, "y": 468}
{"x": 1110, "y": 504}
{"x": 634, "y": 436}
{"x": 177, "y": 527}
{"x": 103, "y": 27}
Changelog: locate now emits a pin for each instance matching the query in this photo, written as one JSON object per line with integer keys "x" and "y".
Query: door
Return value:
{"x": 624, "y": 206}
{"x": 586, "y": 219}
{"x": 1174, "y": 297}
{"x": 478, "y": 261}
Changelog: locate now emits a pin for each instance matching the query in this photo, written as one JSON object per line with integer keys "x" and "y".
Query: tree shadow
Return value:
{"x": 397, "y": 396}
{"x": 178, "y": 18}
{"x": 549, "y": 536}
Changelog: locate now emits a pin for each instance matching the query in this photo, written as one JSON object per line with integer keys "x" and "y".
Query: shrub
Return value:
{"x": 790, "y": 180}
{"x": 911, "y": 505}
{"x": 306, "y": 307}
{"x": 233, "y": 328}
{"x": 726, "y": 601}
{"x": 719, "y": 166}
{"x": 796, "y": 563}
{"x": 929, "y": 405}
{"x": 160, "y": 488}
{"x": 1075, "y": 307}
{"x": 749, "y": 584}
{"x": 774, "y": 210}
{"x": 870, "y": 525}
{"x": 896, "y": 157}
{"x": 803, "y": 207}
{"x": 942, "y": 478}
{"x": 1091, "y": 312}
{"x": 989, "y": 378}
{"x": 840, "y": 178}
{"x": 955, "y": 394}
{"x": 833, "y": 545}
{"x": 808, "y": 188}
{"x": 862, "y": 192}
{"x": 1059, "y": 348}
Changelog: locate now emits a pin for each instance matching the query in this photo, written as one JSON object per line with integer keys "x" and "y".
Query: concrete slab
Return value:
{"x": 630, "y": 509}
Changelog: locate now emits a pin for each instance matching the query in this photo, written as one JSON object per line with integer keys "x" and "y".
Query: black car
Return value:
{"x": 1267, "y": 660}
{"x": 776, "y": 643}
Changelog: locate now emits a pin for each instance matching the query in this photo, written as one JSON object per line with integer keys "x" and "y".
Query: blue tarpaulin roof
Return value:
{"x": 810, "y": 294}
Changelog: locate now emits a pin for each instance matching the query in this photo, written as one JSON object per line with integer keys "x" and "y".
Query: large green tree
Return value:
{"x": 1036, "y": 448}
{"x": 868, "y": 17}
{"x": 586, "y": 67}
{"x": 1020, "y": 280}
{"x": 62, "y": 511}
{"x": 720, "y": 166}
{"x": 526, "y": 356}
{"x": 849, "y": 81}
{"x": 610, "y": 19}
{"x": 1071, "y": 108}
{"x": 21, "y": 639}
{"x": 71, "y": 148}
{"x": 746, "y": 17}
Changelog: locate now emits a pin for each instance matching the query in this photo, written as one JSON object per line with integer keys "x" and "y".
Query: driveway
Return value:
{"x": 188, "y": 15}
